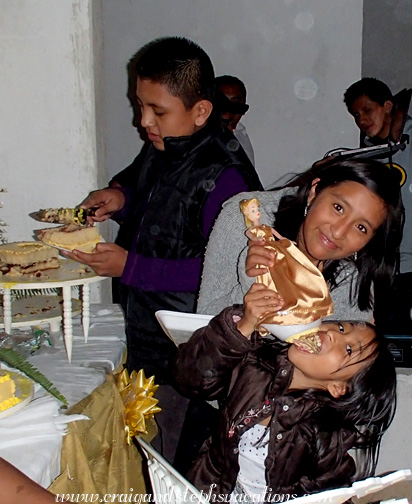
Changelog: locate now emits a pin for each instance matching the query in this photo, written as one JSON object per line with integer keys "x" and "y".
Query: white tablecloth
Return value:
{"x": 31, "y": 438}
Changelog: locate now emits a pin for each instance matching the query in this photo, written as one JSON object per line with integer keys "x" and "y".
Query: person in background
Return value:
{"x": 189, "y": 169}
{"x": 231, "y": 100}
{"x": 371, "y": 103}
{"x": 292, "y": 420}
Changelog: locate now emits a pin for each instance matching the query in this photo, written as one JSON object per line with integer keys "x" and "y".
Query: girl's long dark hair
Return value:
{"x": 378, "y": 261}
{"x": 368, "y": 407}
{"x": 360, "y": 417}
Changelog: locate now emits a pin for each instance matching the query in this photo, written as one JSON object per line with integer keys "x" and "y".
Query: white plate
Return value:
{"x": 285, "y": 331}
{"x": 33, "y": 310}
{"x": 24, "y": 390}
{"x": 180, "y": 326}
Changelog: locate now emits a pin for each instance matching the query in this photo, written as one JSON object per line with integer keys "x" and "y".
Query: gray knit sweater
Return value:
{"x": 224, "y": 280}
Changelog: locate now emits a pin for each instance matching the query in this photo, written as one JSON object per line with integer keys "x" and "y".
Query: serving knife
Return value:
{"x": 64, "y": 215}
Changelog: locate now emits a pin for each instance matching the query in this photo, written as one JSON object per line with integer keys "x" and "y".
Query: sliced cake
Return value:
{"x": 70, "y": 237}
{"x": 7, "y": 391}
{"x": 27, "y": 258}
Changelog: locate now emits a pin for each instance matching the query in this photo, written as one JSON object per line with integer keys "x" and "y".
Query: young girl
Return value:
{"x": 345, "y": 216}
{"x": 288, "y": 417}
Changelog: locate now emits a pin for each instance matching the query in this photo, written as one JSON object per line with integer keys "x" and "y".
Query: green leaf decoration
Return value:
{"x": 16, "y": 360}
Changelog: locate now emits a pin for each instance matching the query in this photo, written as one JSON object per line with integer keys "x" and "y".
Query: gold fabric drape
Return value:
{"x": 96, "y": 458}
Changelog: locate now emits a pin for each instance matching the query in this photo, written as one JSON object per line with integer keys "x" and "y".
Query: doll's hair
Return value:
{"x": 378, "y": 261}
{"x": 244, "y": 206}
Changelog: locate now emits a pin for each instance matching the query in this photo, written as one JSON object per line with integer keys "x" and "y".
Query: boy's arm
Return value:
{"x": 180, "y": 275}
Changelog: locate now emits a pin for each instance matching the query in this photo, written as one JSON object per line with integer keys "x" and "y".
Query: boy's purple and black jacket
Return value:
{"x": 172, "y": 200}
{"x": 307, "y": 452}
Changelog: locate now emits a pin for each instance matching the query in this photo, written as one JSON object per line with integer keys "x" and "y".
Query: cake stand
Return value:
{"x": 70, "y": 274}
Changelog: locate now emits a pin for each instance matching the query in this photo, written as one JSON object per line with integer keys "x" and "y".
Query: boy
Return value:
{"x": 182, "y": 179}
{"x": 231, "y": 100}
{"x": 371, "y": 103}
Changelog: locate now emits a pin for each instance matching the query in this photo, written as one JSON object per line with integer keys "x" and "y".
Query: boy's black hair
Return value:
{"x": 179, "y": 64}
{"x": 222, "y": 80}
{"x": 373, "y": 88}
{"x": 378, "y": 261}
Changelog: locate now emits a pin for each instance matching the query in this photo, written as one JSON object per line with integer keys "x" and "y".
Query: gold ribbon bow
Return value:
{"x": 137, "y": 394}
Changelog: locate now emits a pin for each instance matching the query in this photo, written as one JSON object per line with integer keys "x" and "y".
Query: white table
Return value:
{"x": 31, "y": 439}
{"x": 70, "y": 274}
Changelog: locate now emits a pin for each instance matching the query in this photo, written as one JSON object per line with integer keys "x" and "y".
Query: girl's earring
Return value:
{"x": 305, "y": 212}
{"x": 355, "y": 256}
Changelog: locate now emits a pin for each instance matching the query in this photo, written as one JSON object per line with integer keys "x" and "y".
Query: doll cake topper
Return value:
{"x": 299, "y": 282}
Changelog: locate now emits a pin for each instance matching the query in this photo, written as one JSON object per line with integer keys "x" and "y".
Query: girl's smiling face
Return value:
{"x": 341, "y": 220}
{"x": 345, "y": 350}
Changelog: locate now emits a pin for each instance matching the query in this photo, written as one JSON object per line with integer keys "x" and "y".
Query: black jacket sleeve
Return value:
{"x": 204, "y": 365}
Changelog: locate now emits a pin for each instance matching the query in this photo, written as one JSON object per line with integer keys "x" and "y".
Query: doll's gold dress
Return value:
{"x": 298, "y": 281}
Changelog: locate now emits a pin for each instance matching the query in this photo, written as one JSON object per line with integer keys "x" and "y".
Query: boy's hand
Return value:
{"x": 107, "y": 259}
{"x": 108, "y": 201}
{"x": 258, "y": 301}
{"x": 258, "y": 256}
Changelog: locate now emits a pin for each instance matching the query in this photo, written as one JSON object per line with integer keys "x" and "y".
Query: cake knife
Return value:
{"x": 64, "y": 215}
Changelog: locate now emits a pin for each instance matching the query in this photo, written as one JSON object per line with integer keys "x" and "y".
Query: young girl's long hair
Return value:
{"x": 378, "y": 261}
{"x": 368, "y": 407}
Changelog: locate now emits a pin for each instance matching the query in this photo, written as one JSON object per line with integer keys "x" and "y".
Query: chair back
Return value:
{"x": 168, "y": 485}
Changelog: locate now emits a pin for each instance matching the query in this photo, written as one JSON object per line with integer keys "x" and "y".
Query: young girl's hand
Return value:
{"x": 258, "y": 256}
{"x": 258, "y": 301}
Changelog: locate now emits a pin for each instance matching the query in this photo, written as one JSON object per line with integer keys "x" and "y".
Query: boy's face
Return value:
{"x": 234, "y": 94}
{"x": 164, "y": 115}
{"x": 344, "y": 348}
{"x": 371, "y": 118}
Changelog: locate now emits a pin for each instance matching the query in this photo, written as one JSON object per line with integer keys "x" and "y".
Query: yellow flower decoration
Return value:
{"x": 137, "y": 394}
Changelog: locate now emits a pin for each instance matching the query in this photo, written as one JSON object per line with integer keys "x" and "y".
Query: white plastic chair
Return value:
{"x": 171, "y": 487}
{"x": 168, "y": 485}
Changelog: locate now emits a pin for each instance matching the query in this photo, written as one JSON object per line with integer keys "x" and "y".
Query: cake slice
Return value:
{"x": 27, "y": 258}
{"x": 70, "y": 237}
{"x": 308, "y": 341}
{"x": 7, "y": 391}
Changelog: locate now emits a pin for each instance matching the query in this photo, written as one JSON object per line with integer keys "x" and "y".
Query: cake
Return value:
{"x": 70, "y": 237}
{"x": 27, "y": 258}
{"x": 65, "y": 215}
{"x": 7, "y": 391}
{"x": 309, "y": 341}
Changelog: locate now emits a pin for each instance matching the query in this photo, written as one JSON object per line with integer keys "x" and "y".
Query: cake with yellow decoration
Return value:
{"x": 71, "y": 237}
{"x": 7, "y": 391}
{"x": 27, "y": 258}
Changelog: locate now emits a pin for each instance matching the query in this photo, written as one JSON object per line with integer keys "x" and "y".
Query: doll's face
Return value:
{"x": 252, "y": 212}
{"x": 345, "y": 348}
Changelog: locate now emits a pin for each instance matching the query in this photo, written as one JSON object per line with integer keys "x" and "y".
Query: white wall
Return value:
{"x": 295, "y": 56}
{"x": 48, "y": 143}
{"x": 47, "y": 126}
